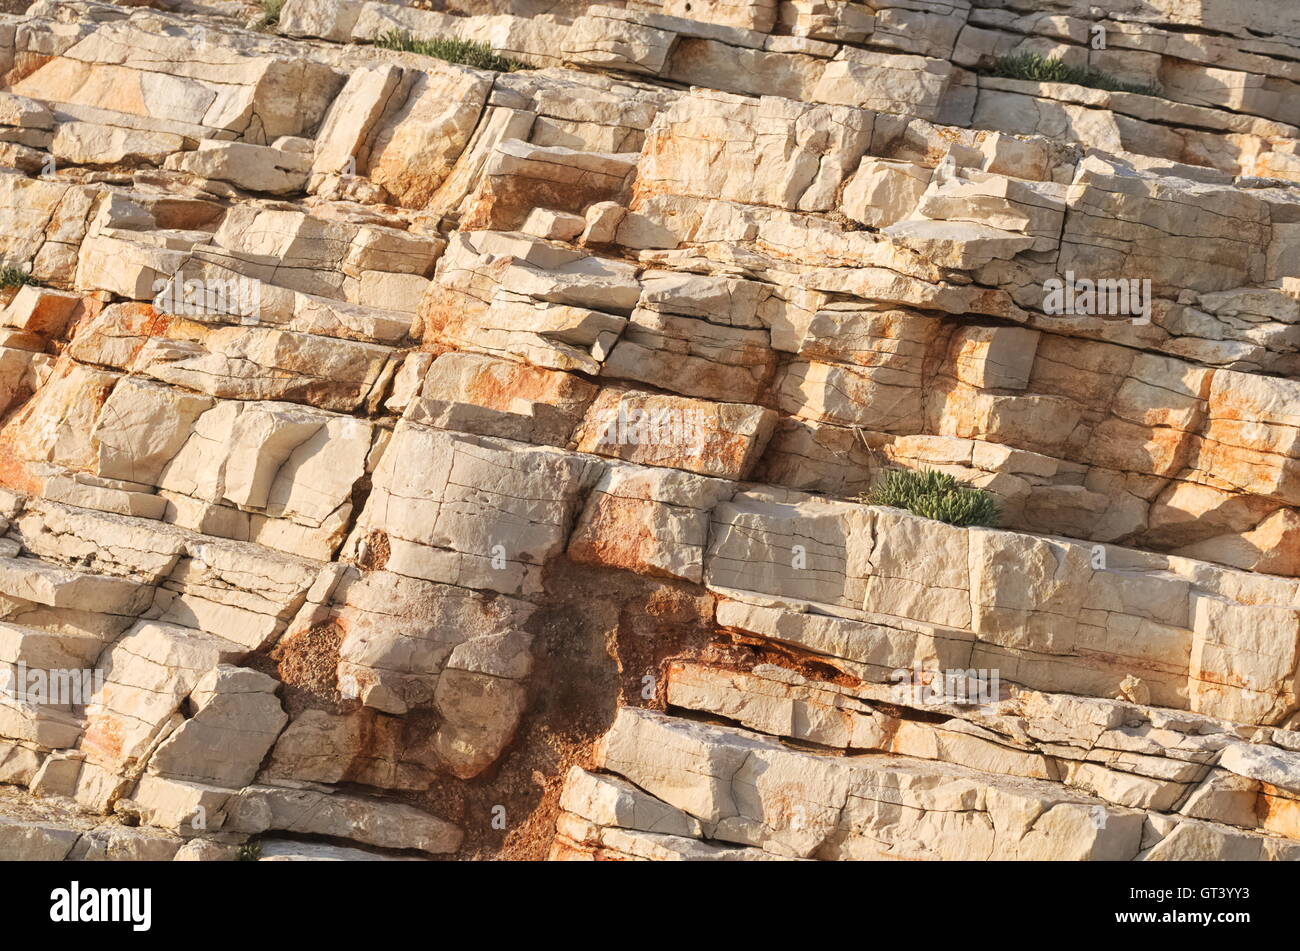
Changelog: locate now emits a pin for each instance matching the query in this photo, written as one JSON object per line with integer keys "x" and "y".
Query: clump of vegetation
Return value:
{"x": 1040, "y": 69}
{"x": 937, "y": 495}
{"x": 270, "y": 12}
{"x": 250, "y": 852}
{"x": 11, "y": 276}
{"x": 462, "y": 52}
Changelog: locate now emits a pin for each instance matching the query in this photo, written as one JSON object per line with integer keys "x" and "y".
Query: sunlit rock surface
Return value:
{"x": 402, "y": 459}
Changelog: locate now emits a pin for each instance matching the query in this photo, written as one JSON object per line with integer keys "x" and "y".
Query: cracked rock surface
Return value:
{"x": 412, "y": 460}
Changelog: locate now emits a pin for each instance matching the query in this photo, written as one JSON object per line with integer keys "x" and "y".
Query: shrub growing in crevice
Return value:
{"x": 11, "y": 276}
{"x": 461, "y": 52}
{"x": 1040, "y": 69}
{"x": 936, "y": 495}
{"x": 270, "y": 13}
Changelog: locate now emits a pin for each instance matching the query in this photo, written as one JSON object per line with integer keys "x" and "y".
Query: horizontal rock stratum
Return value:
{"x": 402, "y": 459}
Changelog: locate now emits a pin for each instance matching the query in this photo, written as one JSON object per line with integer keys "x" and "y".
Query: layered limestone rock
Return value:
{"x": 404, "y": 459}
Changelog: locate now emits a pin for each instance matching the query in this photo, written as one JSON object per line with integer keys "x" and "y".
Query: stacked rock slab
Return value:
{"x": 332, "y": 365}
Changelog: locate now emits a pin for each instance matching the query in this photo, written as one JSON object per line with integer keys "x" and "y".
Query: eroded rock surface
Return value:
{"x": 410, "y": 459}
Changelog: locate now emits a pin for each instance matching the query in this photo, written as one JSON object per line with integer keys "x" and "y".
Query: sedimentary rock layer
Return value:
{"x": 403, "y": 459}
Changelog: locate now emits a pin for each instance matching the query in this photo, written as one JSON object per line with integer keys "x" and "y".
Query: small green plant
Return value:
{"x": 11, "y": 276}
{"x": 270, "y": 12}
{"x": 250, "y": 852}
{"x": 937, "y": 495}
{"x": 463, "y": 52}
{"x": 1040, "y": 69}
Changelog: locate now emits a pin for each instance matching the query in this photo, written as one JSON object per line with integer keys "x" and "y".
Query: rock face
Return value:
{"x": 399, "y": 458}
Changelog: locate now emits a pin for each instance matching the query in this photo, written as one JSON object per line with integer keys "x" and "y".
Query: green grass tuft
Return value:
{"x": 1040, "y": 69}
{"x": 271, "y": 12}
{"x": 250, "y": 852}
{"x": 462, "y": 52}
{"x": 936, "y": 495}
{"x": 11, "y": 276}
